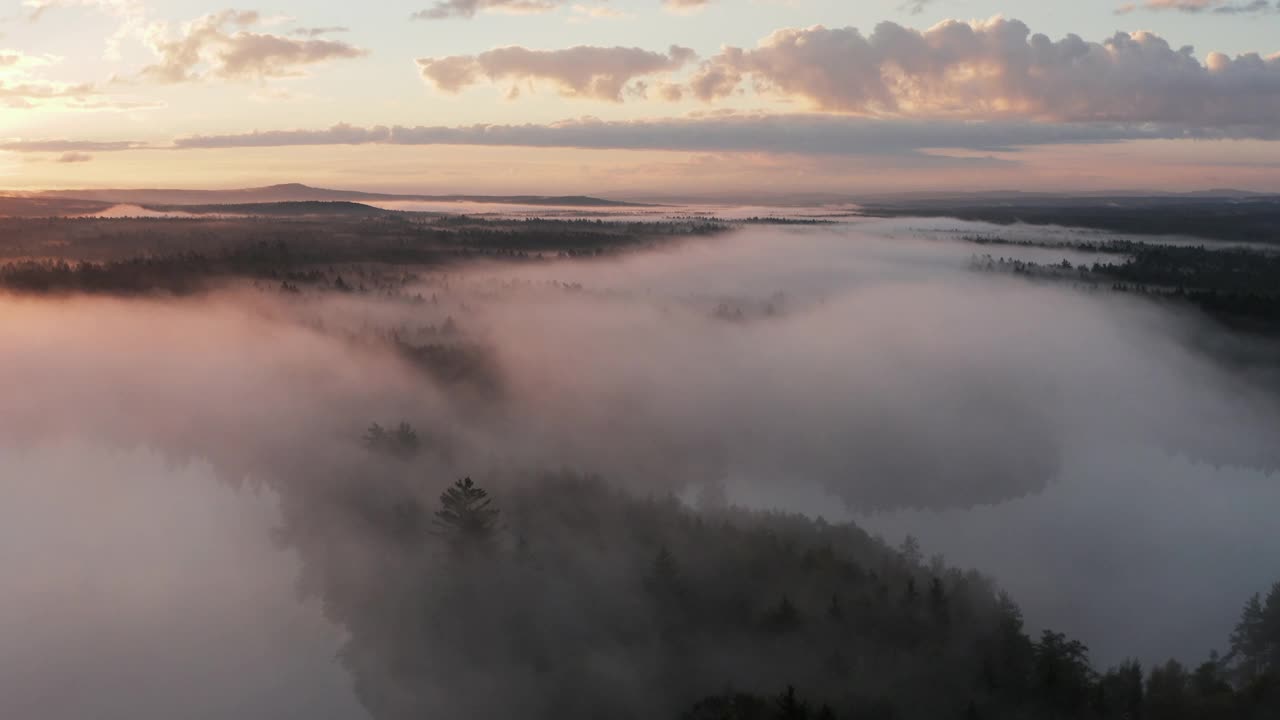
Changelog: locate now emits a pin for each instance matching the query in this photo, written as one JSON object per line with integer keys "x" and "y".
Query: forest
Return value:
{"x": 295, "y": 246}
{"x": 580, "y": 600}
{"x": 1226, "y": 216}
{"x": 1239, "y": 286}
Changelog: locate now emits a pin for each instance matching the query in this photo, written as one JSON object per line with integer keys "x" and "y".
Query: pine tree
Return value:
{"x": 1269, "y": 631}
{"x": 1247, "y": 641}
{"x": 466, "y": 517}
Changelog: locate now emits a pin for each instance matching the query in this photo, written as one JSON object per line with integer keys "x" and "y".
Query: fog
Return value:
{"x": 1081, "y": 448}
{"x": 135, "y": 588}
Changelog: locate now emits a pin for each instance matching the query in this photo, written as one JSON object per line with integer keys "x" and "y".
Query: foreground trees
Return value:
{"x": 579, "y": 601}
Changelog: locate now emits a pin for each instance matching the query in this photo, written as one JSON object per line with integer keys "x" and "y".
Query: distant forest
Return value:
{"x": 1238, "y": 286}
{"x": 1247, "y": 218}
{"x": 181, "y": 256}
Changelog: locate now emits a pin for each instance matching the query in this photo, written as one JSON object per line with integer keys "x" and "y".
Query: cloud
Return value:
{"x": 29, "y": 94}
{"x": 23, "y": 86}
{"x": 685, "y": 6}
{"x": 594, "y": 12}
{"x": 469, "y": 8}
{"x": 915, "y": 7}
{"x": 319, "y": 31}
{"x": 1220, "y": 7}
{"x": 601, "y": 73}
{"x": 66, "y": 146}
{"x": 445, "y": 9}
{"x": 221, "y": 45}
{"x": 999, "y": 69}
{"x": 130, "y": 13}
{"x": 797, "y": 134}
{"x": 74, "y": 157}
{"x": 36, "y": 9}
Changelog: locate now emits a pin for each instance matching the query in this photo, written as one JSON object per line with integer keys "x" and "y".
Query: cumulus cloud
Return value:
{"x": 602, "y": 73}
{"x": 222, "y": 45}
{"x": 998, "y": 68}
{"x": 74, "y": 157}
{"x": 1220, "y": 7}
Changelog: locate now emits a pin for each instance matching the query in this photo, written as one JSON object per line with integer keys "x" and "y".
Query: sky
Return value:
{"x": 637, "y": 97}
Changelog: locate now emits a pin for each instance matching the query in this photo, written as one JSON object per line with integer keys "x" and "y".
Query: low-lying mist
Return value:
{"x": 1063, "y": 441}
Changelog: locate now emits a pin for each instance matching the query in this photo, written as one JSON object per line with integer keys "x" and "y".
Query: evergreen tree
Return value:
{"x": 1247, "y": 642}
{"x": 466, "y": 516}
{"x": 1269, "y": 631}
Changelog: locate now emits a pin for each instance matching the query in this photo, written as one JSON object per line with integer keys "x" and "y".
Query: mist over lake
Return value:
{"x": 168, "y": 463}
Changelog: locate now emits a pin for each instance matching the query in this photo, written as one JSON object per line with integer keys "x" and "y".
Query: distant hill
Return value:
{"x": 291, "y": 208}
{"x": 34, "y": 207}
{"x": 294, "y": 192}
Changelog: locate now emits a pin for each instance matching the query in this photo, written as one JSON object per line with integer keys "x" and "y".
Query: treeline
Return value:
{"x": 1225, "y": 271}
{"x": 1117, "y": 247}
{"x": 101, "y": 239}
{"x": 1238, "y": 286}
{"x": 1252, "y": 219}
{"x": 184, "y": 256}
{"x": 562, "y": 597}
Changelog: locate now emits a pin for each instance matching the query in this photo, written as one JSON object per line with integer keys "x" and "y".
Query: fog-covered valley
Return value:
{"x": 177, "y": 473}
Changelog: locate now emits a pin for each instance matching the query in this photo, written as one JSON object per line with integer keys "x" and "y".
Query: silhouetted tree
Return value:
{"x": 1247, "y": 643}
{"x": 466, "y": 517}
{"x": 401, "y": 443}
{"x": 910, "y": 551}
{"x": 1120, "y": 691}
{"x": 1168, "y": 692}
{"x": 791, "y": 707}
{"x": 1062, "y": 673}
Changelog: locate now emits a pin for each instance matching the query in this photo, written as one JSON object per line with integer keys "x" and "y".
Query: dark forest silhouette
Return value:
{"x": 587, "y": 602}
